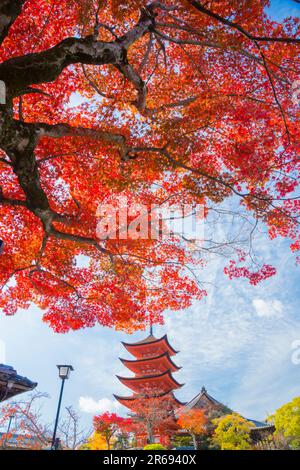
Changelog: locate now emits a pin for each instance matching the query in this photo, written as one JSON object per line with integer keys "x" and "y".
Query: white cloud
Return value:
{"x": 242, "y": 355}
{"x": 269, "y": 378}
{"x": 268, "y": 308}
{"x": 90, "y": 405}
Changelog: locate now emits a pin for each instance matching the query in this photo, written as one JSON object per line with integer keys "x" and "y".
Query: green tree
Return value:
{"x": 232, "y": 432}
{"x": 182, "y": 441}
{"x": 287, "y": 423}
{"x": 154, "y": 447}
{"x": 122, "y": 441}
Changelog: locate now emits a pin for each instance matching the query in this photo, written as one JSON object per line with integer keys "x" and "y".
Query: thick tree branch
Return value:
{"x": 65, "y": 130}
{"x": 9, "y": 11}
{"x": 80, "y": 239}
{"x": 128, "y": 71}
{"x": 19, "y": 139}
{"x": 20, "y": 72}
{"x": 11, "y": 202}
{"x": 41, "y": 67}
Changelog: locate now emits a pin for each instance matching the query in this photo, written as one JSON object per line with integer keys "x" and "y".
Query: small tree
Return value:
{"x": 194, "y": 422}
{"x": 73, "y": 436}
{"x": 109, "y": 425}
{"x": 95, "y": 442}
{"x": 122, "y": 440}
{"x": 31, "y": 429}
{"x": 232, "y": 432}
{"x": 182, "y": 441}
{"x": 155, "y": 414}
{"x": 287, "y": 424}
{"x": 32, "y": 432}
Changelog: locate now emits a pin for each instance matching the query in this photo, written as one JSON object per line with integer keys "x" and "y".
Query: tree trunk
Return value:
{"x": 195, "y": 442}
{"x": 150, "y": 433}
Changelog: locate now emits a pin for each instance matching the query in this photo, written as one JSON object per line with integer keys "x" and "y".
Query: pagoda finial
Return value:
{"x": 203, "y": 389}
{"x": 151, "y": 328}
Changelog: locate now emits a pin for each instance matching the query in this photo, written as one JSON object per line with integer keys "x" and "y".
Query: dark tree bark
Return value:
{"x": 9, "y": 11}
{"x": 19, "y": 139}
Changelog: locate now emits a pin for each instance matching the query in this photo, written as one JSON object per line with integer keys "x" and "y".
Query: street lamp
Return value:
{"x": 12, "y": 416}
{"x": 64, "y": 373}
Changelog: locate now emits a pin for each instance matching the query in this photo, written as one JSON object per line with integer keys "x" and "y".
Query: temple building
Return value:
{"x": 259, "y": 433}
{"x": 206, "y": 402}
{"x": 12, "y": 384}
{"x": 153, "y": 369}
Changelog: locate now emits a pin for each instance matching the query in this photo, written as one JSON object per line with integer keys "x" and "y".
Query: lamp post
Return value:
{"x": 64, "y": 373}
{"x": 8, "y": 429}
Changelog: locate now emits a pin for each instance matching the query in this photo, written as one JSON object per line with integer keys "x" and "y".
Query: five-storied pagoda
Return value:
{"x": 153, "y": 371}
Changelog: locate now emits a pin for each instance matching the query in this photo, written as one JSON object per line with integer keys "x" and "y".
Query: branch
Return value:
{"x": 12, "y": 202}
{"x": 216, "y": 45}
{"x": 282, "y": 112}
{"x": 43, "y": 67}
{"x": 65, "y": 130}
{"x": 94, "y": 86}
{"x": 176, "y": 104}
{"x": 9, "y": 11}
{"x": 128, "y": 71}
{"x": 239, "y": 28}
{"x": 80, "y": 239}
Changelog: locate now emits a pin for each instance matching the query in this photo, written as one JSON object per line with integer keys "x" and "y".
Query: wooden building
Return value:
{"x": 260, "y": 433}
{"x": 153, "y": 367}
{"x": 152, "y": 378}
{"x": 12, "y": 384}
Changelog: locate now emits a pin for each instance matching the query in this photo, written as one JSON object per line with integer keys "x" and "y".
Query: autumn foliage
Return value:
{"x": 182, "y": 101}
{"x": 26, "y": 426}
{"x": 108, "y": 425}
{"x": 194, "y": 422}
{"x": 154, "y": 417}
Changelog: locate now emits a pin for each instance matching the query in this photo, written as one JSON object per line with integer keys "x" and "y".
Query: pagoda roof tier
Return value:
{"x": 159, "y": 383}
{"x": 132, "y": 401}
{"x": 150, "y": 347}
{"x": 155, "y": 364}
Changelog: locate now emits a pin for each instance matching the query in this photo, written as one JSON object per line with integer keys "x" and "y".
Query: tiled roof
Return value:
{"x": 12, "y": 384}
{"x": 144, "y": 360}
{"x": 258, "y": 424}
{"x": 148, "y": 339}
{"x": 145, "y": 378}
{"x": 203, "y": 395}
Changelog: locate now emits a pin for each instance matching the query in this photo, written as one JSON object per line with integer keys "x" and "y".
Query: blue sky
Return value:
{"x": 237, "y": 342}
{"x": 280, "y": 9}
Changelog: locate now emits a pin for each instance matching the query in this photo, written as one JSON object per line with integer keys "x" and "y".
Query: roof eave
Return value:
{"x": 165, "y": 337}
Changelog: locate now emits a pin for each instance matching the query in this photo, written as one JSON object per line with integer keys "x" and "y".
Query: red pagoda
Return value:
{"x": 153, "y": 371}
